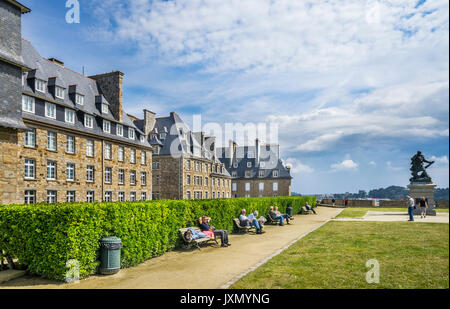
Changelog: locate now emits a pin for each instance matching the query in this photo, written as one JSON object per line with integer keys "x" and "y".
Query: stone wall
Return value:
{"x": 111, "y": 87}
{"x": 9, "y": 180}
{"x": 382, "y": 203}
{"x": 351, "y": 203}
{"x": 284, "y": 187}
{"x": 441, "y": 204}
{"x": 80, "y": 185}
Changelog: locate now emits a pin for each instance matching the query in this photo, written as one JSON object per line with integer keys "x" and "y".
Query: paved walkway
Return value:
{"x": 213, "y": 267}
{"x": 441, "y": 217}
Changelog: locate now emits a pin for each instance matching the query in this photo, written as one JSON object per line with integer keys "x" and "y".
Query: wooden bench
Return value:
{"x": 242, "y": 229}
{"x": 195, "y": 242}
{"x": 305, "y": 211}
{"x": 271, "y": 221}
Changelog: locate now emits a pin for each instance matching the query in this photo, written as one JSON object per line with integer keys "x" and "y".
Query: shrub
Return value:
{"x": 43, "y": 237}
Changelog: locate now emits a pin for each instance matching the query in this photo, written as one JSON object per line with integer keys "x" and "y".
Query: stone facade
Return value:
{"x": 261, "y": 187}
{"x": 9, "y": 166}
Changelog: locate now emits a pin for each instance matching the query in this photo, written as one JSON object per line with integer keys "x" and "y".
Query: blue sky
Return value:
{"x": 355, "y": 87}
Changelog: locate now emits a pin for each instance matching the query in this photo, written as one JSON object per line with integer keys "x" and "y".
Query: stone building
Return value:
{"x": 64, "y": 137}
{"x": 184, "y": 162}
{"x": 256, "y": 171}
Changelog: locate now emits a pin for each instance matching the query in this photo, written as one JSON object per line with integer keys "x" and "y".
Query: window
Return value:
{"x": 89, "y": 148}
{"x": 197, "y": 166}
{"x": 234, "y": 186}
{"x": 30, "y": 169}
{"x": 70, "y": 197}
{"x": 157, "y": 180}
{"x": 51, "y": 196}
{"x": 70, "y": 146}
{"x": 206, "y": 181}
{"x": 90, "y": 172}
{"x": 143, "y": 158}
{"x": 108, "y": 151}
{"x": 121, "y": 153}
{"x": 247, "y": 186}
{"x": 188, "y": 195}
{"x": 143, "y": 178}
{"x": 250, "y": 155}
{"x": 59, "y": 92}
{"x": 133, "y": 156}
{"x": 249, "y": 164}
{"x": 143, "y": 196}
{"x": 108, "y": 196}
{"x": 70, "y": 116}
{"x": 262, "y": 173}
{"x": 40, "y": 85}
{"x": 50, "y": 110}
{"x": 30, "y": 197}
{"x": 24, "y": 78}
{"x": 248, "y": 174}
{"x": 51, "y": 141}
{"x": 188, "y": 165}
{"x": 262, "y": 164}
{"x": 121, "y": 176}
{"x": 235, "y": 165}
{"x": 133, "y": 196}
{"x": 88, "y": 121}
{"x": 30, "y": 138}
{"x": 108, "y": 174}
{"x": 104, "y": 109}
{"x": 275, "y": 173}
{"x": 156, "y": 150}
{"x": 70, "y": 172}
{"x": 121, "y": 196}
{"x": 51, "y": 170}
{"x": 261, "y": 186}
{"x": 132, "y": 177}
{"x": 90, "y": 196}
{"x": 188, "y": 179}
{"x": 119, "y": 130}
{"x": 106, "y": 126}
{"x": 162, "y": 136}
{"x": 28, "y": 104}
{"x": 206, "y": 195}
{"x": 142, "y": 139}
{"x": 275, "y": 186}
{"x": 131, "y": 134}
{"x": 79, "y": 99}
{"x": 234, "y": 174}
{"x": 156, "y": 165}
{"x": 214, "y": 195}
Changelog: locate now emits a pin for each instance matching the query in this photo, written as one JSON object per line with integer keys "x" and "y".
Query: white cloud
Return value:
{"x": 441, "y": 161}
{"x": 298, "y": 167}
{"x": 345, "y": 165}
{"x": 372, "y": 163}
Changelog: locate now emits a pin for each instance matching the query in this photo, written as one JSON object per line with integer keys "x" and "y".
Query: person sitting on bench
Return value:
{"x": 308, "y": 207}
{"x": 276, "y": 215}
{"x": 244, "y": 221}
{"x": 207, "y": 229}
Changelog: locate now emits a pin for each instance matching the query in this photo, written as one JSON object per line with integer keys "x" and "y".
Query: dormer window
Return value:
{"x": 40, "y": 85}
{"x": 50, "y": 110}
{"x": 162, "y": 136}
{"x": 142, "y": 139}
{"x": 234, "y": 174}
{"x": 70, "y": 116}
{"x": 88, "y": 121}
{"x": 131, "y": 134}
{"x": 276, "y": 173}
{"x": 235, "y": 165}
{"x": 249, "y": 164}
{"x": 119, "y": 130}
{"x": 262, "y": 173}
{"x": 28, "y": 104}
{"x": 156, "y": 150}
{"x": 79, "y": 99}
{"x": 104, "y": 109}
{"x": 106, "y": 126}
{"x": 59, "y": 92}
{"x": 248, "y": 174}
{"x": 24, "y": 78}
{"x": 250, "y": 155}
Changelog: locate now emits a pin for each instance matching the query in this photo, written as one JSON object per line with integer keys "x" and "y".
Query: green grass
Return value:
{"x": 410, "y": 255}
{"x": 359, "y": 212}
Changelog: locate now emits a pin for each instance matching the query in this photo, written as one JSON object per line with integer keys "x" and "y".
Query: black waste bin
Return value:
{"x": 110, "y": 255}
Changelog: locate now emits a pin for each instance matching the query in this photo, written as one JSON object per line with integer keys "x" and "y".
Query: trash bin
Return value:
{"x": 289, "y": 211}
{"x": 110, "y": 255}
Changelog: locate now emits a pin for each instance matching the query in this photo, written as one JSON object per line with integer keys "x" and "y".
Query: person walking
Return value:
{"x": 411, "y": 205}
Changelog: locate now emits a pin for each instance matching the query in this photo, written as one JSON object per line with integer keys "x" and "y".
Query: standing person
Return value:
{"x": 346, "y": 202}
{"x": 423, "y": 207}
{"x": 333, "y": 201}
{"x": 207, "y": 229}
{"x": 411, "y": 205}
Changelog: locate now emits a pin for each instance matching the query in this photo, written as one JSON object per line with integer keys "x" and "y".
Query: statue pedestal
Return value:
{"x": 419, "y": 190}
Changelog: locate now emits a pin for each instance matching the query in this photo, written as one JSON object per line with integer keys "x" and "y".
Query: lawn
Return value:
{"x": 359, "y": 212}
{"x": 410, "y": 256}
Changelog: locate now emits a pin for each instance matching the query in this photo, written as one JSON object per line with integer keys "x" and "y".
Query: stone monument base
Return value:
{"x": 419, "y": 190}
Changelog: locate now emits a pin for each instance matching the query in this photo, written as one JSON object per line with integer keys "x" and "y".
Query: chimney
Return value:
{"x": 231, "y": 143}
{"x": 257, "y": 152}
{"x": 58, "y": 62}
{"x": 149, "y": 121}
{"x": 110, "y": 85}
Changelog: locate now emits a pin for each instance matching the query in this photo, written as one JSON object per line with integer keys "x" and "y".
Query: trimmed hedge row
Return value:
{"x": 43, "y": 237}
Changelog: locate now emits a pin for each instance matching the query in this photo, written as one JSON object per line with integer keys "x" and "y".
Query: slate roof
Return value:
{"x": 180, "y": 140}
{"x": 74, "y": 82}
{"x": 269, "y": 161}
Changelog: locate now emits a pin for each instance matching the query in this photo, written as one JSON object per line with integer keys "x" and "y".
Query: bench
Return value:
{"x": 305, "y": 211}
{"x": 195, "y": 242}
{"x": 242, "y": 229}
{"x": 271, "y": 221}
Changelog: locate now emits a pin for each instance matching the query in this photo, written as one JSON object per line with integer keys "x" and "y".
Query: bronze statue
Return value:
{"x": 417, "y": 166}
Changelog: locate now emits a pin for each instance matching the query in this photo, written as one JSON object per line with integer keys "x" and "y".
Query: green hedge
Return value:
{"x": 44, "y": 237}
